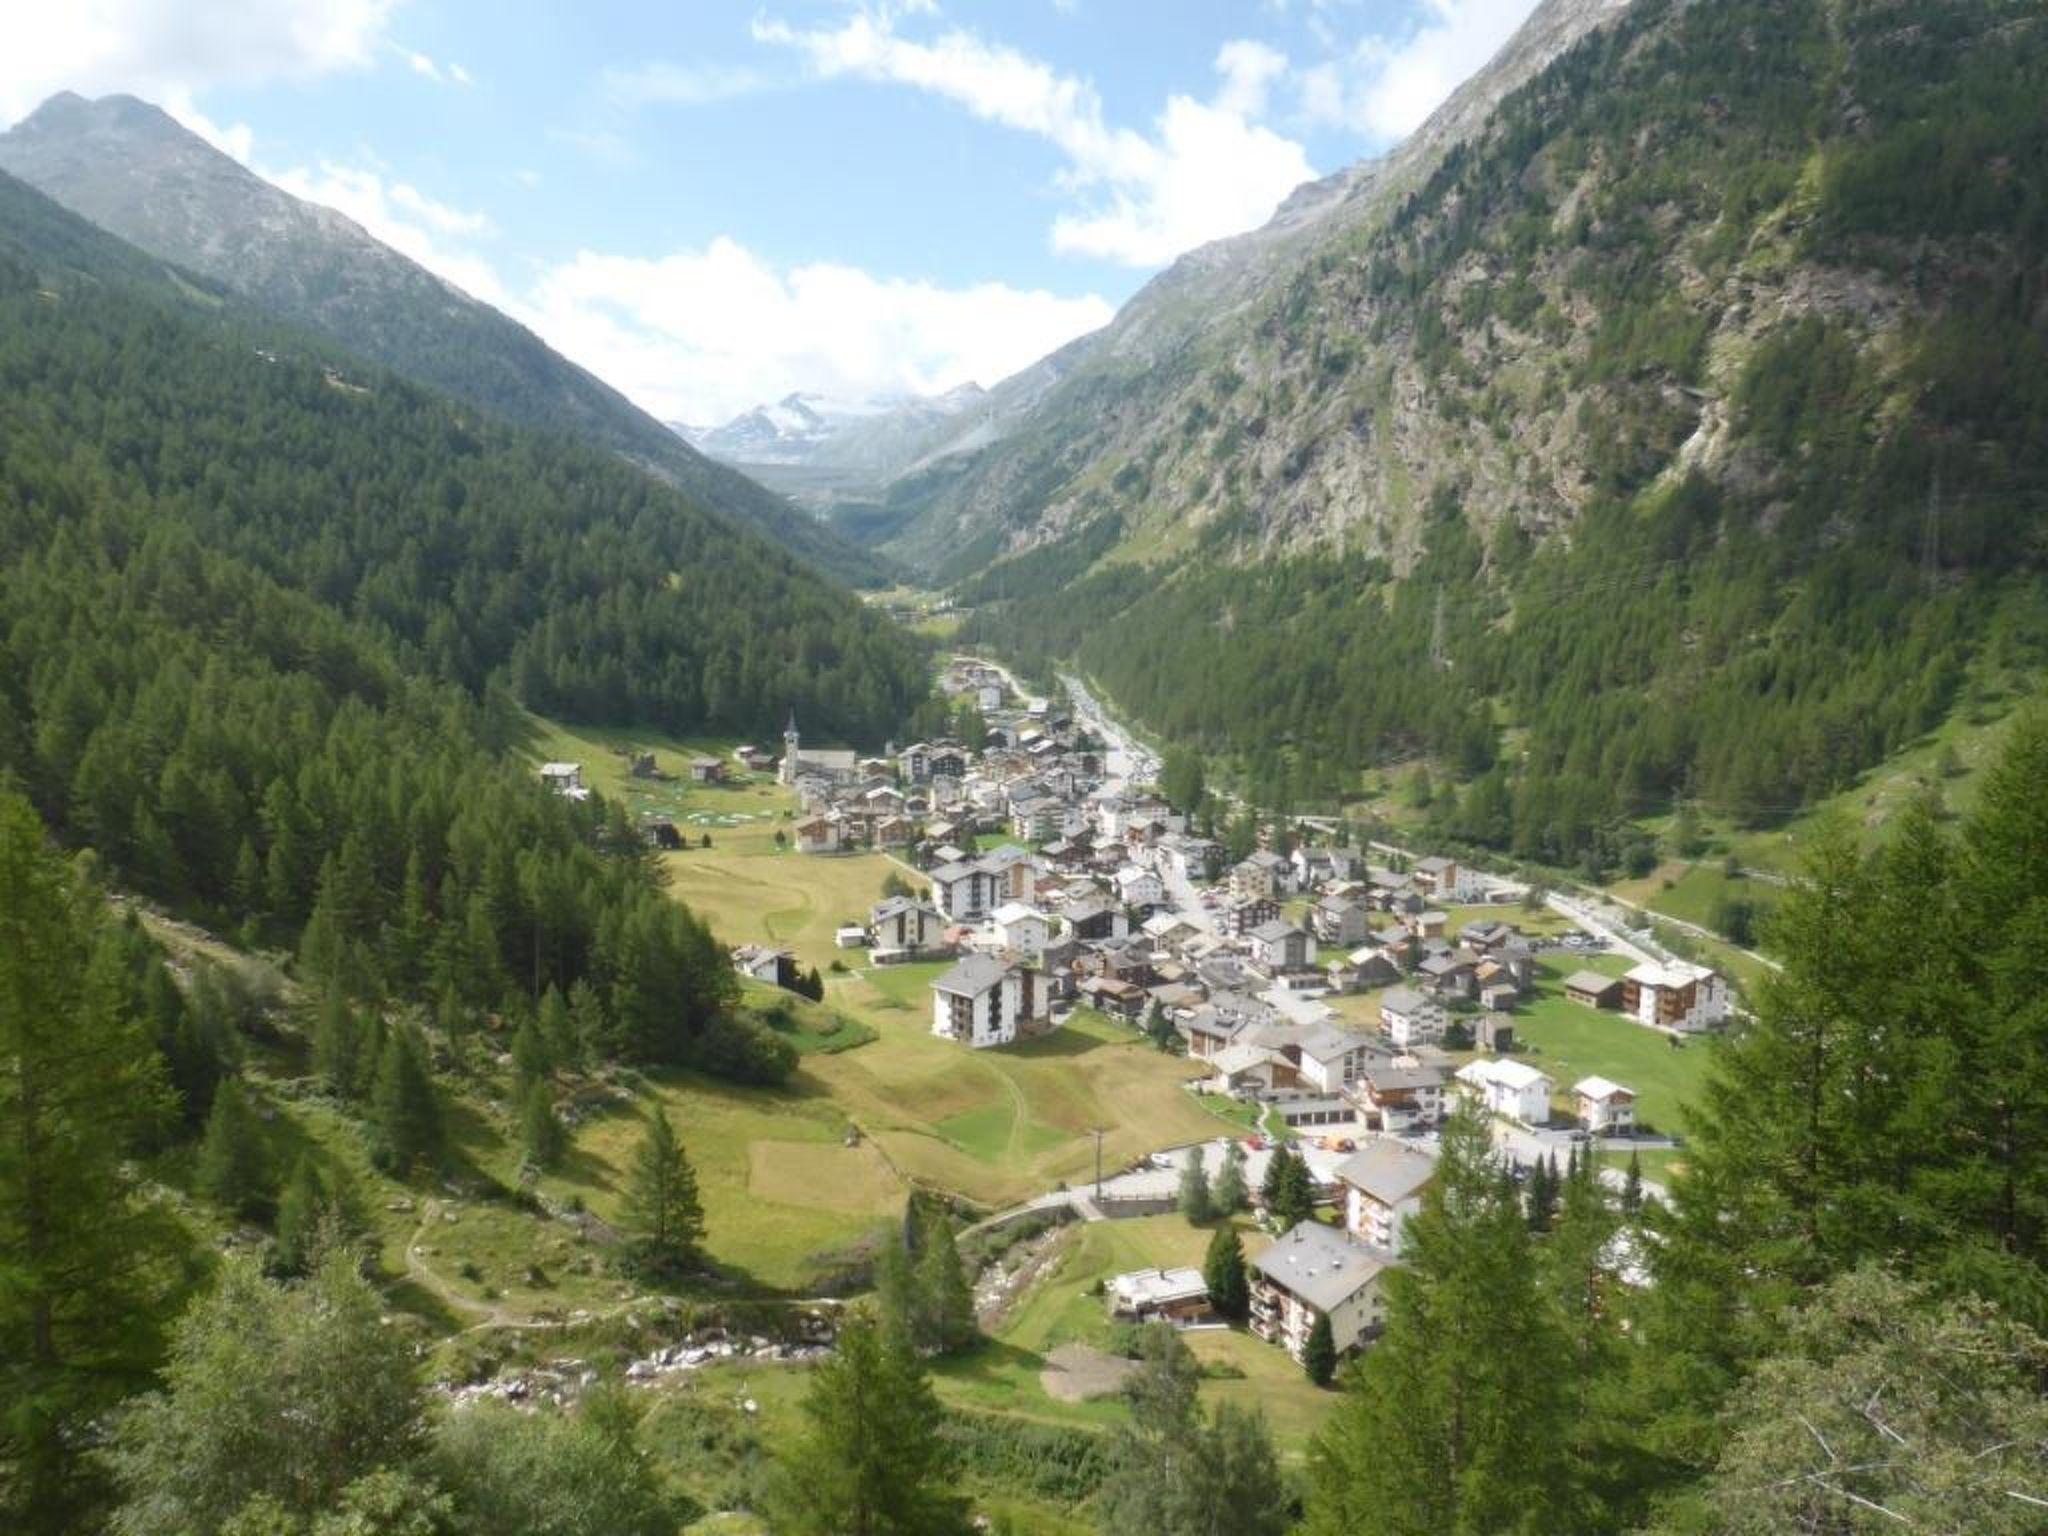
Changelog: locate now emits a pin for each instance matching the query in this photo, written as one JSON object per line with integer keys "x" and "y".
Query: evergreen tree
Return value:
{"x": 338, "y": 1053}
{"x": 404, "y": 1106}
{"x": 1195, "y": 1203}
{"x": 1632, "y": 1186}
{"x": 1294, "y": 1199}
{"x": 1319, "y": 1353}
{"x": 1173, "y": 1473}
{"x": 557, "y": 1029}
{"x": 1275, "y": 1180}
{"x": 1229, "y": 1194}
{"x": 84, "y": 1265}
{"x": 541, "y": 1133}
{"x": 870, "y": 1459}
{"x": 662, "y": 1204}
{"x": 234, "y": 1167}
{"x": 1225, "y": 1274}
{"x": 946, "y": 1294}
{"x": 531, "y": 1061}
{"x": 1451, "y": 1421}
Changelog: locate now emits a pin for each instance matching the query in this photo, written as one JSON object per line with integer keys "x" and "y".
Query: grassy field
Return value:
{"x": 1064, "y": 1308}
{"x": 1570, "y": 1041}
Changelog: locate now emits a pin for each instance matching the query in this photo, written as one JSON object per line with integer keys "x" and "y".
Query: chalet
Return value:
{"x": 1090, "y": 915}
{"x": 1451, "y": 974}
{"x": 1328, "y": 1058}
{"x": 1318, "y": 866}
{"x": 965, "y": 892}
{"x": 706, "y": 770}
{"x": 753, "y": 759}
{"x": 1409, "y": 1019}
{"x": 777, "y": 967}
{"x": 1428, "y": 924}
{"x": 894, "y": 832}
{"x": 1445, "y": 880}
{"x": 1605, "y": 1108}
{"x": 1140, "y": 888}
{"x": 817, "y": 834}
{"x": 565, "y": 779}
{"x": 1399, "y": 1098}
{"x": 984, "y": 1001}
{"x": 1338, "y": 920}
{"x": 1113, "y": 996}
{"x": 1260, "y": 877}
{"x": 1495, "y": 1032}
{"x": 1677, "y": 996}
{"x": 1158, "y": 1295}
{"x": 1311, "y": 1272}
{"x": 1239, "y": 917}
{"x": 662, "y": 833}
{"x": 1278, "y": 946}
{"x": 1511, "y": 1089}
{"x": 1383, "y": 1183}
{"x": 903, "y": 928}
{"x": 1021, "y": 930}
{"x": 1592, "y": 989}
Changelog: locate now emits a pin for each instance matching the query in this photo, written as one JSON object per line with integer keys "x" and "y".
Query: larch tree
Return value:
{"x": 662, "y": 1203}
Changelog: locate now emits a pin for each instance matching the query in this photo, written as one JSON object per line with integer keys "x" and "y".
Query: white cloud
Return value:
{"x": 424, "y": 65}
{"x": 702, "y": 335}
{"x": 169, "y": 50}
{"x": 680, "y": 84}
{"x": 1385, "y": 88}
{"x": 1206, "y": 170}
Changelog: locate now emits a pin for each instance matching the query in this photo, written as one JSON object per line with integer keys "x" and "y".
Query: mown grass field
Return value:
{"x": 1570, "y": 1041}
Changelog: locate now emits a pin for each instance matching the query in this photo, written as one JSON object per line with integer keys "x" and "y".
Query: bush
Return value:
{"x": 741, "y": 1052}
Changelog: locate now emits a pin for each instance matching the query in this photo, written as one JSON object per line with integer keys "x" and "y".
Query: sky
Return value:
{"x": 713, "y": 203}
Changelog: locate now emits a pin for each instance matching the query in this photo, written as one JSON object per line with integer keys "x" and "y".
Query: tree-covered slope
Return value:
{"x": 1689, "y": 419}
{"x": 132, "y": 170}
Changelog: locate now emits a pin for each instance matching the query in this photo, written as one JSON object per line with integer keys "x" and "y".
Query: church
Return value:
{"x": 836, "y": 767}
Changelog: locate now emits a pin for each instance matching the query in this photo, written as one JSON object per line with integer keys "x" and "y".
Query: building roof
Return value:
{"x": 1017, "y": 912}
{"x": 1387, "y": 1171}
{"x": 1273, "y": 932}
{"x": 1402, "y": 1000}
{"x": 972, "y": 977}
{"x": 1516, "y": 1076}
{"x": 1589, "y": 981}
{"x": 1158, "y": 1287}
{"x": 1601, "y": 1088}
{"x": 1675, "y": 973}
{"x": 1320, "y": 1264}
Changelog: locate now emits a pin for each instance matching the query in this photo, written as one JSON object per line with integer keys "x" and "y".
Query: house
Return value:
{"x": 1158, "y": 1295}
{"x": 1428, "y": 924}
{"x": 1021, "y": 930}
{"x": 1445, "y": 880}
{"x": 1512, "y": 1089}
{"x": 984, "y": 1001}
{"x": 1314, "y": 1271}
{"x": 1117, "y": 998}
{"x": 565, "y": 779}
{"x": 1676, "y": 995}
{"x": 1259, "y": 877}
{"x": 965, "y": 891}
{"x": 1592, "y": 989}
{"x": 904, "y": 927}
{"x": 817, "y": 834}
{"x": 1605, "y": 1108}
{"x": 1140, "y": 888}
{"x": 753, "y": 759}
{"x": 1091, "y": 916}
{"x": 1400, "y": 1098}
{"x": 1328, "y": 1058}
{"x": 1496, "y": 1032}
{"x": 1240, "y": 916}
{"x": 1452, "y": 974}
{"x": 1383, "y": 1183}
{"x": 1278, "y": 946}
{"x": 1338, "y": 920}
{"x": 1409, "y": 1019}
{"x": 895, "y": 832}
{"x": 706, "y": 770}
{"x": 777, "y": 967}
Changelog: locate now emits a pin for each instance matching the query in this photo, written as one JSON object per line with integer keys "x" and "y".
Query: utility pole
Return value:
{"x": 1437, "y": 655}
{"x": 1098, "y": 1161}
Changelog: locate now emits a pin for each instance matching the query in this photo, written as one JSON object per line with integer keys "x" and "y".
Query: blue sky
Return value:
{"x": 713, "y": 204}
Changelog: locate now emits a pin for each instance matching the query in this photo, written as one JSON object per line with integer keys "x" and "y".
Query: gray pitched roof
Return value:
{"x": 972, "y": 976}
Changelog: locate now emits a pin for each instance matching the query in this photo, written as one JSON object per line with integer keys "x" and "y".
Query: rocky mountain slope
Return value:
{"x": 129, "y": 168}
{"x": 1682, "y": 409}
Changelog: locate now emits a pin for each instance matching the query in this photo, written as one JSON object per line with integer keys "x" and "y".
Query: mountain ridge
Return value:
{"x": 130, "y": 168}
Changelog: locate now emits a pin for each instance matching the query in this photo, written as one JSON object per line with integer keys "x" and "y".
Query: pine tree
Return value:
{"x": 1632, "y": 1186}
{"x": 1319, "y": 1353}
{"x": 558, "y": 1030}
{"x": 1194, "y": 1188}
{"x": 318, "y": 1214}
{"x": 870, "y": 1459}
{"x": 531, "y": 1062}
{"x": 234, "y": 1169}
{"x": 1295, "y": 1199}
{"x": 1224, "y": 1273}
{"x": 1229, "y": 1194}
{"x": 662, "y": 1203}
{"x": 404, "y": 1106}
{"x": 1275, "y": 1181}
{"x": 338, "y": 1052}
{"x": 948, "y": 1298}
{"x": 85, "y": 1266}
{"x": 1450, "y": 1421}
{"x": 540, "y": 1128}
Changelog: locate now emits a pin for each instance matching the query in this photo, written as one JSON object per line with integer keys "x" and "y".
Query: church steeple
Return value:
{"x": 790, "y": 749}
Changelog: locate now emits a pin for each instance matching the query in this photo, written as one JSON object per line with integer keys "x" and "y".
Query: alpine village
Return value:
{"x": 1404, "y": 892}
